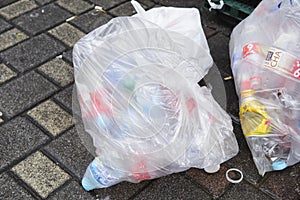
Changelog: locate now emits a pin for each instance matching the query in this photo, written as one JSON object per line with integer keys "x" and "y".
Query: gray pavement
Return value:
{"x": 41, "y": 155}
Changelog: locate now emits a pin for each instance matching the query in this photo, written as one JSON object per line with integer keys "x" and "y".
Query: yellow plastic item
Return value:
{"x": 254, "y": 119}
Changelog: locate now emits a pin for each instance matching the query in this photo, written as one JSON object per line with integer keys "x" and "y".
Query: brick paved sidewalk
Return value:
{"x": 41, "y": 156}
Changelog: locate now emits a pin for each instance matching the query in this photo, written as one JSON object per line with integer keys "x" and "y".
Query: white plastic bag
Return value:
{"x": 265, "y": 58}
{"x": 136, "y": 83}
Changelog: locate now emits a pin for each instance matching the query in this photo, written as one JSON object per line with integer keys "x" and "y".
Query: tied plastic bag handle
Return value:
{"x": 138, "y": 8}
{"x": 215, "y": 6}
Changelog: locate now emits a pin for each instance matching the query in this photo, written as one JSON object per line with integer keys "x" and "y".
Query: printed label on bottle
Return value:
{"x": 250, "y": 49}
{"x": 100, "y": 174}
{"x": 296, "y": 70}
{"x": 273, "y": 57}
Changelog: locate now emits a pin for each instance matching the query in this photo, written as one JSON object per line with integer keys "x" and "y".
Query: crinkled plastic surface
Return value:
{"x": 139, "y": 101}
{"x": 265, "y": 58}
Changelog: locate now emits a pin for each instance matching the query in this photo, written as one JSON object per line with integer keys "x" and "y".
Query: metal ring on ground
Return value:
{"x": 232, "y": 180}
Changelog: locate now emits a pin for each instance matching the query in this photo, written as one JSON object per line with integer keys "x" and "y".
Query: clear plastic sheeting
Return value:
{"x": 265, "y": 58}
{"x": 138, "y": 106}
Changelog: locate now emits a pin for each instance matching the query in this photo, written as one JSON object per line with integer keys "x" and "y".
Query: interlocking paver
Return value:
{"x": 173, "y": 186}
{"x": 123, "y": 190}
{"x": 17, "y": 8}
{"x": 107, "y": 4}
{"x": 70, "y": 151}
{"x": 284, "y": 184}
{"x": 22, "y": 93}
{"x": 43, "y": 2}
{"x": 40, "y": 173}
{"x": 58, "y": 70}
{"x": 6, "y": 73}
{"x": 219, "y": 48}
{"x": 68, "y": 55}
{"x": 65, "y": 97}
{"x": 75, "y": 6}
{"x": 232, "y": 100}
{"x": 6, "y": 2}
{"x": 215, "y": 184}
{"x": 244, "y": 190}
{"x": 42, "y": 18}
{"x": 18, "y": 137}
{"x": 125, "y": 9}
{"x": 52, "y": 117}
{"x": 11, "y": 37}
{"x": 176, "y": 3}
{"x": 91, "y": 20}
{"x": 72, "y": 191}
{"x": 67, "y": 33}
{"x": 32, "y": 52}
{"x": 4, "y": 25}
{"x": 9, "y": 189}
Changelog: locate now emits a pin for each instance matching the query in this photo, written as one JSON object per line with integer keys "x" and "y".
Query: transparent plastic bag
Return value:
{"x": 139, "y": 101}
{"x": 265, "y": 57}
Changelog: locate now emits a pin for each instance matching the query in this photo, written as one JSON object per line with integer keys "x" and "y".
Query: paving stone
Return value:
{"x": 176, "y": 3}
{"x": 9, "y": 189}
{"x": 209, "y": 31}
{"x": 43, "y": 2}
{"x": 68, "y": 55}
{"x": 58, "y": 70}
{"x": 244, "y": 160}
{"x": 18, "y": 137}
{"x": 147, "y": 3}
{"x": 173, "y": 186}
{"x": 4, "y": 25}
{"x": 11, "y": 37}
{"x": 72, "y": 191}
{"x": 69, "y": 150}
{"x": 91, "y": 20}
{"x": 244, "y": 190}
{"x": 219, "y": 48}
{"x": 215, "y": 184}
{"x": 32, "y": 52}
{"x": 107, "y": 4}
{"x": 67, "y": 33}
{"x": 22, "y": 93}
{"x": 40, "y": 173}
{"x": 284, "y": 184}
{"x": 125, "y": 9}
{"x": 123, "y": 190}
{"x": 17, "y": 8}
{"x": 6, "y": 73}
{"x": 75, "y": 6}
{"x": 42, "y": 19}
{"x": 65, "y": 97}
{"x": 52, "y": 117}
{"x": 232, "y": 100}
{"x": 6, "y": 2}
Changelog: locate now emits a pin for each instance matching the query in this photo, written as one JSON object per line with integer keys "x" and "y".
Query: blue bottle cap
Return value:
{"x": 87, "y": 184}
{"x": 279, "y": 165}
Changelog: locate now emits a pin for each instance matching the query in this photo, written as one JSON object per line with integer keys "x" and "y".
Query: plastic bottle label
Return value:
{"x": 273, "y": 57}
{"x": 296, "y": 69}
{"x": 250, "y": 49}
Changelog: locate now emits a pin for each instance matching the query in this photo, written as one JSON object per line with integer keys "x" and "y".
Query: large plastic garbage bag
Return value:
{"x": 265, "y": 58}
{"x": 136, "y": 84}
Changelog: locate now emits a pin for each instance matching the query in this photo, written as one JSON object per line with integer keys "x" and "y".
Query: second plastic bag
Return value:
{"x": 266, "y": 66}
{"x": 136, "y": 84}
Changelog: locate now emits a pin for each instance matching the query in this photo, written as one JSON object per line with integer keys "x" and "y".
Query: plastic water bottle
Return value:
{"x": 99, "y": 176}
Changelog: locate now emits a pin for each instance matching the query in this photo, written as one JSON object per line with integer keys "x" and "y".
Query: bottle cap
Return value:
{"x": 279, "y": 165}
